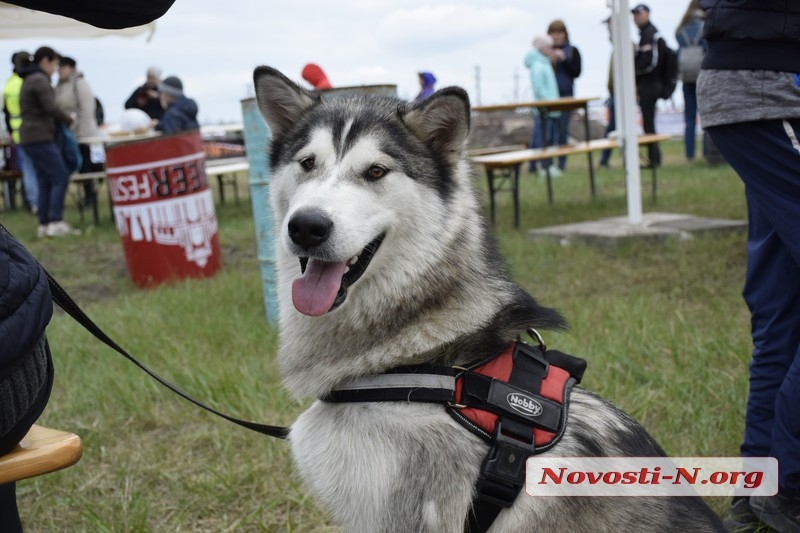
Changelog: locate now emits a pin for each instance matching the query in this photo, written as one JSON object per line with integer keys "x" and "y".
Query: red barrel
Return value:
{"x": 163, "y": 208}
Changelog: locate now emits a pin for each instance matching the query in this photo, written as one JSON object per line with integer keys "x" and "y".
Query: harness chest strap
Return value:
{"x": 516, "y": 401}
{"x": 478, "y": 396}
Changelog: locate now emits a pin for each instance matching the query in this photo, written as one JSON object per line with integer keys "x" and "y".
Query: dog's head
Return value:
{"x": 362, "y": 187}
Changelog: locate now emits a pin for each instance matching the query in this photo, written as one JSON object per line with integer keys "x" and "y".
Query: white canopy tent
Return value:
{"x": 22, "y": 23}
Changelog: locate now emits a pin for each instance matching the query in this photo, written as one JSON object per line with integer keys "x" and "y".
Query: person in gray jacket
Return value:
{"x": 75, "y": 97}
{"x": 749, "y": 101}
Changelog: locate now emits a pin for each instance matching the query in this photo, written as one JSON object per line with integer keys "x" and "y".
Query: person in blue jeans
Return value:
{"x": 566, "y": 59}
{"x": 749, "y": 100}
{"x": 689, "y": 33}
{"x": 30, "y": 183}
{"x": 37, "y": 132}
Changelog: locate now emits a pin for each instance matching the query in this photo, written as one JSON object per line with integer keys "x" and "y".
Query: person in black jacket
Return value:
{"x": 566, "y": 60}
{"x": 26, "y": 368}
{"x": 749, "y": 100}
{"x": 146, "y": 97}
{"x": 648, "y": 80}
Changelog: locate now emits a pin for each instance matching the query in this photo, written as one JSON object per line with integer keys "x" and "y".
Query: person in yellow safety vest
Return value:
{"x": 30, "y": 184}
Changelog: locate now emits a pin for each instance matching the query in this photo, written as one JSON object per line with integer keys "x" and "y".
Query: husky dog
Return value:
{"x": 384, "y": 260}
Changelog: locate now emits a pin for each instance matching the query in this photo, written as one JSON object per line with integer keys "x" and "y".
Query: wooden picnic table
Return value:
{"x": 509, "y": 163}
{"x": 568, "y": 103}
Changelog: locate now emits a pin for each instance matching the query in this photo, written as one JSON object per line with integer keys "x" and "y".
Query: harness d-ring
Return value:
{"x": 538, "y": 338}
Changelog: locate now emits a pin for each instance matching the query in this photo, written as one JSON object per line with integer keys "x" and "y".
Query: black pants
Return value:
{"x": 9, "y": 515}
{"x": 647, "y": 103}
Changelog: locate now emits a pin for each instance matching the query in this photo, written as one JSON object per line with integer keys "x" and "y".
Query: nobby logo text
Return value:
{"x": 524, "y": 404}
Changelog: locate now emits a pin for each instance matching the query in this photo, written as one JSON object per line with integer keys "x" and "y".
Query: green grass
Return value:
{"x": 662, "y": 325}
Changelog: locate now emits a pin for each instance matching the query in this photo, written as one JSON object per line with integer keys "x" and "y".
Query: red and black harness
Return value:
{"x": 516, "y": 401}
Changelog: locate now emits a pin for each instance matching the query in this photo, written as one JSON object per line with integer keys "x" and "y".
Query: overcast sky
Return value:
{"x": 213, "y": 46}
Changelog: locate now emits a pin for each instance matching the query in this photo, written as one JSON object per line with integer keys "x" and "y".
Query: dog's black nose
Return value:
{"x": 309, "y": 228}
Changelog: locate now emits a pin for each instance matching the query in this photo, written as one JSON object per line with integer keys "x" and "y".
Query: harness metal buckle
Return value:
{"x": 503, "y": 471}
{"x": 454, "y": 405}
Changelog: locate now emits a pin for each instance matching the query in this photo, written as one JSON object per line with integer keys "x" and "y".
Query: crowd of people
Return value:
{"x": 35, "y": 110}
{"x": 650, "y": 54}
{"x": 554, "y": 63}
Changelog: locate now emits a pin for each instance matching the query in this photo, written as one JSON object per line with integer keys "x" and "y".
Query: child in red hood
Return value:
{"x": 314, "y": 75}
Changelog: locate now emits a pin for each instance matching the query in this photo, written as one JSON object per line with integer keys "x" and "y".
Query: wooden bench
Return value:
{"x": 41, "y": 451}
{"x": 225, "y": 170}
{"x": 97, "y": 179}
{"x": 509, "y": 163}
{"x": 495, "y": 149}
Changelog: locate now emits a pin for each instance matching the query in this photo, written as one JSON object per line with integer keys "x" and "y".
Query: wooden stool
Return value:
{"x": 41, "y": 451}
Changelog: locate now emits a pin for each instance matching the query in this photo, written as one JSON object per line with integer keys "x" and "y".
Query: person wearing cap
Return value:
{"x": 648, "y": 79}
{"x": 40, "y": 113}
{"x": 748, "y": 94}
{"x": 13, "y": 112}
{"x": 180, "y": 112}
{"x": 146, "y": 96}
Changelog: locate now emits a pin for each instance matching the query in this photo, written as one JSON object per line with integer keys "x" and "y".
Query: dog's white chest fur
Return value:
{"x": 362, "y": 460}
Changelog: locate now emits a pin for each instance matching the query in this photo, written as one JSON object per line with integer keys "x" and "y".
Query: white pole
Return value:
{"x": 625, "y": 104}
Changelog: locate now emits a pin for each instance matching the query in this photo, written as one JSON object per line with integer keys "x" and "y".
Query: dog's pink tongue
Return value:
{"x": 314, "y": 293}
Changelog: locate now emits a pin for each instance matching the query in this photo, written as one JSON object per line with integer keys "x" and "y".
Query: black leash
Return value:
{"x": 66, "y": 303}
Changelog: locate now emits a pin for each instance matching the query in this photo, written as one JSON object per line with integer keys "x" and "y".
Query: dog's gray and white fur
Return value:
{"x": 346, "y": 170}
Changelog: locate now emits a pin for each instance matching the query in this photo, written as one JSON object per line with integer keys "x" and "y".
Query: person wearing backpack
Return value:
{"x": 691, "y": 51}
{"x": 647, "y": 62}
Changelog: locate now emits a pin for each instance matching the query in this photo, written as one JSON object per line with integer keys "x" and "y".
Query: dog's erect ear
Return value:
{"x": 281, "y": 101}
{"x": 441, "y": 121}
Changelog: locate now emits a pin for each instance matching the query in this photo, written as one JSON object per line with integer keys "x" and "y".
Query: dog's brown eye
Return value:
{"x": 307, "y": 163}
{"x": 376, "y": 172}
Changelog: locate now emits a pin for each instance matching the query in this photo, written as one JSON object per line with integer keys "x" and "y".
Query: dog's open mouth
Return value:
{"x": 323, "y": 285}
